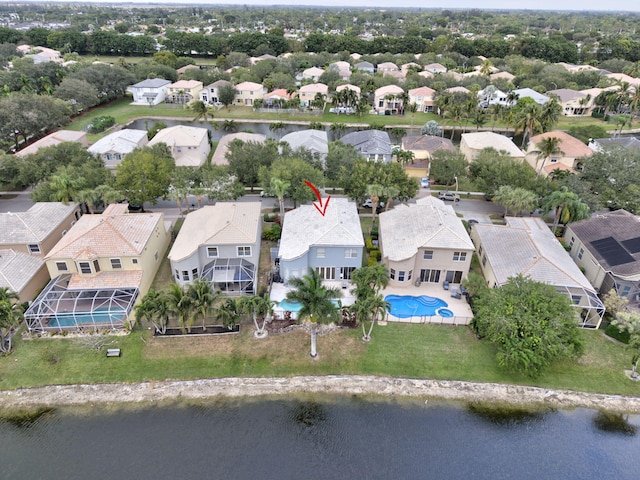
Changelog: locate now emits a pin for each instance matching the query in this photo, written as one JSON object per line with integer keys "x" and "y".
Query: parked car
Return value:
{"x": 449, "y": 196}
{"x": 424, "y": 182}
{"x": 369, "y": 204}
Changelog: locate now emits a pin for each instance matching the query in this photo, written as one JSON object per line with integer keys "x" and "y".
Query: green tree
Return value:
{"x": 445, "y": 166}
{"x": 145, "y": 174}
{"x": 154, "y": 308}
{"x": 226, "y": 94}
{"x": 530, "y": 323}
{"x": 200, "y": 110}
{"x": 527, "y": 121}
{"x": 630, "y": 322}
{"x": 11, "y": 315}
{"x": 316, "y": 300}
{"x": 364, "y": 173}
{"x": 546, "y": 148}
{"x": 340, "y": 159}
{"x": 65, "y": 187}
{"x": 279, "y": 188}
{"x": 295, "y": 172}
{"x": 246, "y": 158}
{"x": 515, "y": 199}
{"x": 567, "y": 205}
{"x": 181, "y": 306}
{"x": 203, "y": 297}
{"x": 492, "y": 169}
{"x": 260, "y": 308}
{"x": 229, "y": 312}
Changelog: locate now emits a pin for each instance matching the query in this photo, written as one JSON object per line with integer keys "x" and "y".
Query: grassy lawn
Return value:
{"x": 415, "y": 351}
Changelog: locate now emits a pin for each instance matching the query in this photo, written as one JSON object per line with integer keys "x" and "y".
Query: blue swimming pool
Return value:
{"x": 68, "y": 319}
{"x": 405, "y": 306}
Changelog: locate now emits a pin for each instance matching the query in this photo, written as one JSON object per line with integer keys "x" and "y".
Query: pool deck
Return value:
{"x": 462, "y": 314}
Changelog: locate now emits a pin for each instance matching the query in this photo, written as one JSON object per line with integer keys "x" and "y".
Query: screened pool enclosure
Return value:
{"x": 233, "y": 276}
{"x": 60, "y": 308}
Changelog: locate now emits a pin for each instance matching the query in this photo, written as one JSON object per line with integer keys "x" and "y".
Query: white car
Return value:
{"x": 369, "y": 204}
{"x": 450, "y": 196}
{"x": 424, "y": 182}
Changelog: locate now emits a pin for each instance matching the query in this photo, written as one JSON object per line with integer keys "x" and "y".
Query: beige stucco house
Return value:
{"x": 389, "y": 99}
{"x": 423, "y": 97}
{"x": 573, "y": 102}
{"x": 100, "y": 269}
{"x": 525, "y": 246}
{"x": 572, "y": 153}
{"x": 473, "y": 143}
{"x": 189, "y": 145}
{"x": 219, "y": 157}
{"x": 183, "y": 91}
{"x": 307, "y": 93}
{"x": 55, "y": 138}
{"x": 220, "y": 243}
{"x": 424, "y": 242}
{"x": 248, "y": 92}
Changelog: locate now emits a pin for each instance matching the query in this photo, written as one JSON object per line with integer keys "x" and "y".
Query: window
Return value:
{"x": 212, "y": 252}
{"x": 392, "y": 274}
{"x": 625, "y": 291}
{"x": 62, "y": 266}
{"x": 34, "y": 248}
{"x": 347, "y": 272}
{"x": 244, "y": 251}
{"x": 350, "y": 253}
{"x": 116, "y": 263}
{"x": 431, "y": 276}
{"x": 401, "y": 276}
{"x": 410, "y": 275}
{"x": 459, "y": 256}
{"x": 185, "y": 275}
{"x": 85, "y": 267}
{"x": 327, "y": 273}
{"x": 484, "y": 260}
{"x": 480, "y": 251}
{"x": 177, "y": 274}
{"x": 320, "y": 253}
{"x": 571, "y": 242}
{"x": 580, "y": 253}
{"x": 134, "y": 261}
{"x": 96, "y": 266}
{"x": 427, "y": 254}
{"x": 194, "y": 273}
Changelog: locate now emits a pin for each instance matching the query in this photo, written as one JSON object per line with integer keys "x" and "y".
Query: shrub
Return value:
{"x": 268, "y": 218}
{"x": 372, "y": 261}
{"x": 368, "y": 243}
{"x": 613, "y": 332}
{"x": 272, "y": 233}
{"x": 100, "y": 124}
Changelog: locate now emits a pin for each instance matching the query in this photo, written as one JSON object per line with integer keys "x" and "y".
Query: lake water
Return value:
{"x": 319, "y": 438}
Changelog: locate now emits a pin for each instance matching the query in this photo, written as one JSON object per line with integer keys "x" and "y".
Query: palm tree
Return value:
{"x": 548, "y": 147}
{"x": 455, "y": 113}
{"x": 89, "y": 197}
{"x": 370, "y": 309}
{"x": 527, "y": 121}
{"x": 412, "y": 108}
{"x": 392, "y": 192}
{"x": 228, "y": 313}
{"x": 200, "y": 110}
{"x": 495, "y": 111}
{"x": 230, "y": 126}
{"x": 107, "y": 194}
{"x": 370, "y": 280}
{"x": 202, "y": 296}
{"x": 276, "y": 126}
{"x": 316, "y": 302}
{"x": 180, "y": 305}
{"x": 337, "y": 129}
{"x": 11, "y": 314}
{"x": 479, "y": 118}
{"x": 279, "y": 188}
{"x": 375, "y": 191}
{"x": 567, "y": 206}
{"x": 515, "y": 199}
{"x": 551, "y": 112}
{"x": 362, "y": 106}
{"x": 65, "y": 187}
{"x": 153, "y": 308}
{"x": 258, "y": 306}
{"x": 486, "y": 68}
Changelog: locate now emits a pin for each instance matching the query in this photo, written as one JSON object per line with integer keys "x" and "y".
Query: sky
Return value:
{"x": 578, "y": 5}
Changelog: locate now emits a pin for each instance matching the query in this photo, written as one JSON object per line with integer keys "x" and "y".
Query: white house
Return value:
{"x": 114, "y": 147}
{"x": 151, "y": 91}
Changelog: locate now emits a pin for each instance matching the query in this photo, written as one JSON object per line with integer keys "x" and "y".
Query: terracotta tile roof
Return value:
{"x": 121, "y": 279}
{"x": 570, "y": 146}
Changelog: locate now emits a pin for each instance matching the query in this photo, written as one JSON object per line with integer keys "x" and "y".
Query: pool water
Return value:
{"x": 405, "y": 306}
{"x": 98, "y": 316}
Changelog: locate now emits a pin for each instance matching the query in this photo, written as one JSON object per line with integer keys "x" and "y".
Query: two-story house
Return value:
{"x": 189, "y": 145}
{"x": 423, "y": 97}
{"x": 248, "y": 92}
{"x": 472, "y": 144}
{"x": 183, "y": 91}
{"x": 211, "y": 93}
{"x": 99, "y": 269}
{"x": 220, "y": 243}
{"x": 151, "y": 91}
{"x": 388, "y": 100}
{"x": 114, "y": 147}
{"x": 331, "y": 244}
{"x": 308, "y": 93}
{"x": 374, "y": 145}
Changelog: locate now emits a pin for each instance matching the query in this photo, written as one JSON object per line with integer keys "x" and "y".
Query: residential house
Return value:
{"x": 425, "y": 74}
{"x": 505, "y": 75}
{"x": 458, "y": 89}
{"x": 307, "y": 93}
{"x": 353, "y": 88}
{"x": 526, "y": 246}
{"x": 221, "y": 244}
{"x": 114, "y": 147}
{"x": 312, "y": 74}
{"x": 424, "y": 242}
{"x": 220, "y": 155}
{"x": 607, "y": 248}
{"x": 388, "y": 100}
{"x": 151, "y": 91}
{"x": 182, "y": 70}
{"x": 100, "y": 269}
{"x": 343, "y": 69}
{"x": 332, "y": 244}
{"x": 40, "y": 54}
{"x": 25, "y": 238}
{"x": 365, "y": 67}
{"x": 623, "y": 77}
{"x": 54, "y": 138}
{"x": 374, "y": 145}
{"x": 387, "y": 67}
{"x": 183, "y": 92}
{"x": 491, "y": 96}
{"x": 570, "y": 158}
{"x": 211, "y": 93}
{"x": 435, "y": 68}
{"x": 423, "y": 97}
{"x": 599, "y": 144}
{"x": 266, "y": 56}
{"x": 189, "y": 145}
{"x": 473, "y": 143}
{"x": 539, "y": 98}
{"x": 406, "y": 67}
{"x": 423, "y": 147}
{"x": 315, "y": 141}
{"x": 574, "y": 103}
{"x": 248, "y": 92}
{"x": 277, "y": 97}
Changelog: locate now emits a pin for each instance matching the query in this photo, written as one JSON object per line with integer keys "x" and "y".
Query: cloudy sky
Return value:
{"x": 581, "y": 5}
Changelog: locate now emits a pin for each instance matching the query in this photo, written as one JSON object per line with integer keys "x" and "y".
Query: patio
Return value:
{"x": 462, "y": 314}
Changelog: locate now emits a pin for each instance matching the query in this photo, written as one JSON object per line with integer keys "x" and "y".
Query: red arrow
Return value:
{"x": 320, "y": 208}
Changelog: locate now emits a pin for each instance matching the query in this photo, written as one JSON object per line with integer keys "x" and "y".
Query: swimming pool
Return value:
{"x": 405, "y": 306}
{"x": 68, "y": 319}
{"x": 295, "y": 307}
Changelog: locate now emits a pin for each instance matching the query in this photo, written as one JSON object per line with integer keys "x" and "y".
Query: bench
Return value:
{"x": 113, "y": 352}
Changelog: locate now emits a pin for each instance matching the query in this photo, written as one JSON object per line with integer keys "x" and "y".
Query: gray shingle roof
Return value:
{"x": 369, "y": 142}
{"x": 17, "y": 269}
{"x": 34, "y": 225}
{"x": 152, "y": 83}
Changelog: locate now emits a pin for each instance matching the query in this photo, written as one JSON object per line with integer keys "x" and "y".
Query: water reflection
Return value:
{"x": 309, "y": 414}
{"x": 26, "y": 418}
{"x": 506, "y": 415}
{"x": 614, "y": 423}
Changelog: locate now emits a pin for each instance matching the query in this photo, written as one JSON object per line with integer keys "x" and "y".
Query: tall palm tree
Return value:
{"x": 316, "y": 302}
{"x": 259, "y": 307}
{"x": 200, "y": 110}
{"x": 551, "y": 112}
{"x": 180, "y": 305}
{"x": 88, "y": 197}
{"x": 375, "y": 191}
{"x": 370, "y": 279}
{"x": 279, "y": 188}
{"x": 374, "y": 307}
{"x": 337, "y": 129}
{"x": 567, "y": 205}
{"x": 65, "y": 187}
{"x": 107, "y": 194}
{"x": 202, "y": 296}
{"x": 527, "y": 121}
{"x": 11, "y": 314}
{"x": 276, "y": 127}
{"x": 230, "y": 126}
{"x": 548, "y": 147}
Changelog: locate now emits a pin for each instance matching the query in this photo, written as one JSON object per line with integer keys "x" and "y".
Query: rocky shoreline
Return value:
{"x": 67, "y": 395}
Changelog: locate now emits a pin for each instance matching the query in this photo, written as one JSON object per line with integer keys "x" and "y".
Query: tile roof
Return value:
{"x": 110, "y": 234}
{"x": 225, "y": 223}
{"x": 570, "y": 146}
{"x": 622, "y": 226}
{"x": 369, "y": 141}
{"x": 355, "y": 88}
{"x": 482, "y": 140}
{"x": 314, "y": 140}
{"x": 186, "y": 84}
{"x": 180, "y": 135}
{"x": 251, "y": 86}
{"x": 427, "y": 223}
{"x": 34, "y": 225}
{"x": 52, "y": 139}
{"x": 122, "y": 142}
{"x": 624, "y": 142}
{"x": 305, "y": 227}
{"x": 17, "y": 269}
{"x": 526, "y": 246}
{"x": 314, "y": 88}
{"x": 152, "y": 83}
{"x": 388, "y": 90}
{"x": 566, "y": 94}
{"x": 220, "y": 155}
{"x": 120, "y": 279}
{"x": 429, "y": 143}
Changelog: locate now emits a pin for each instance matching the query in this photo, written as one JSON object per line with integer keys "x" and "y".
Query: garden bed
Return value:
{"x": 195, "y": 331}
